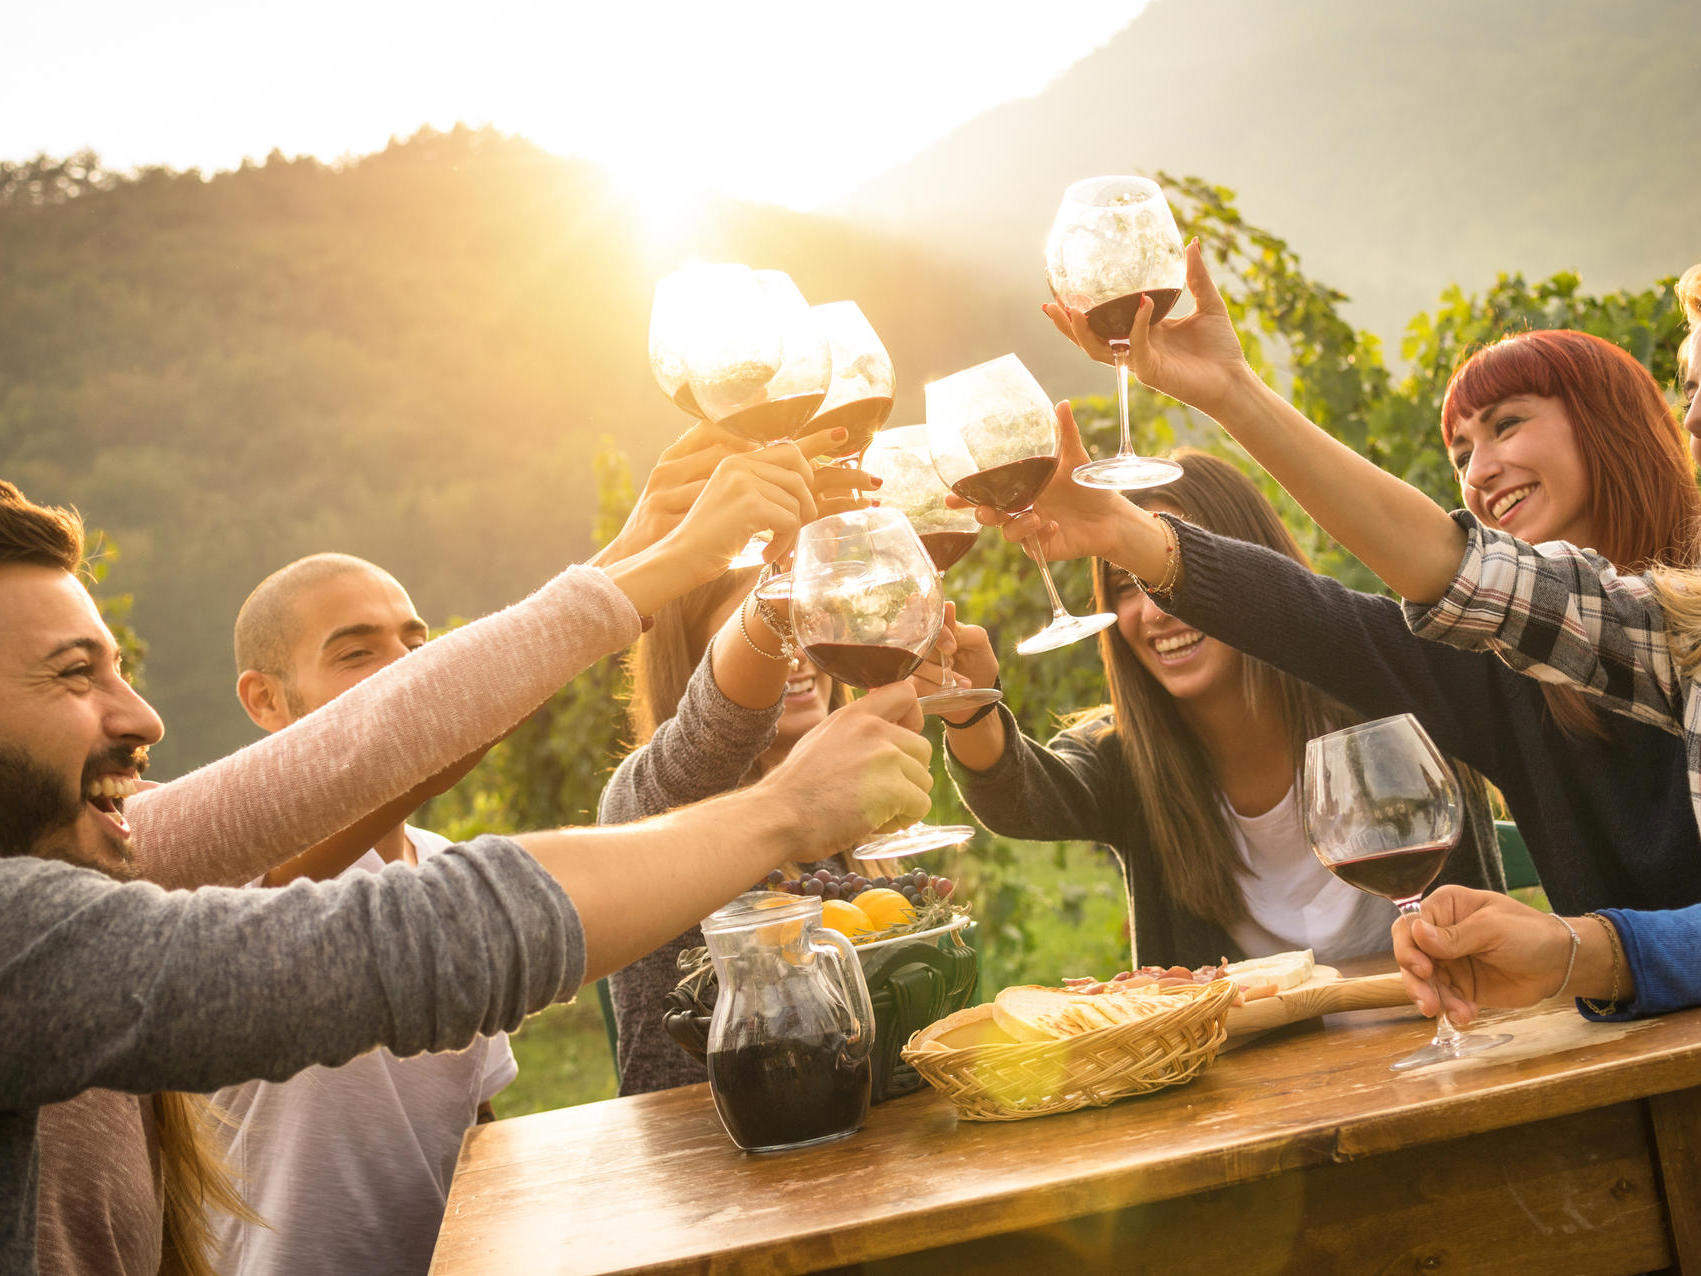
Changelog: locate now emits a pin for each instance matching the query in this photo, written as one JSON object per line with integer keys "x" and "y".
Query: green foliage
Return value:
{"x": 102, "y": 553}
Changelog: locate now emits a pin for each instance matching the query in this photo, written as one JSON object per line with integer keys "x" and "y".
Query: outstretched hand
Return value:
{"x": 1196, "y": 358}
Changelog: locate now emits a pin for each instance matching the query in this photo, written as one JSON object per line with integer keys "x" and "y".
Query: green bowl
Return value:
{"x": 913, "y": 980}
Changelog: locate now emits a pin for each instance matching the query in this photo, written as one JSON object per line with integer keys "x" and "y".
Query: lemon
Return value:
{"x": 845, "y": 918}
{"x": 885, "y": 908}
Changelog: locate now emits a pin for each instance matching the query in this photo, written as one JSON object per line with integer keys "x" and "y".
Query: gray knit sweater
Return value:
{"x": 707, "y": 747}
{"x": 130, "y": 987}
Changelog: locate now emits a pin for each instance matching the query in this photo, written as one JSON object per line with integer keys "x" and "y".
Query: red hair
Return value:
{"x": 1643, "y": 501}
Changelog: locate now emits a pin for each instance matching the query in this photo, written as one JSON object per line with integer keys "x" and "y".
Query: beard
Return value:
{"x": 38, "y": 815}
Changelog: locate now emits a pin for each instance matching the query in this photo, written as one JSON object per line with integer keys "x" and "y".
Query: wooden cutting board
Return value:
{"x": 1325, "y": 993}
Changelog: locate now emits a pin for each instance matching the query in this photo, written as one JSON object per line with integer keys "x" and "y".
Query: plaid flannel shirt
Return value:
{"x": 1566, "y": 615}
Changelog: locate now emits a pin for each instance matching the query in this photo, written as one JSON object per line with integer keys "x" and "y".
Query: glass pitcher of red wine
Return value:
{"x": 792, "y": 1037}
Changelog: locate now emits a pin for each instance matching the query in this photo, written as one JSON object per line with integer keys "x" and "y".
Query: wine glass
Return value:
{"x": 866, "y": 607}
{"x": 760, "y": 366}
{"x": 901, "y": 459}
{"x": 993, "y": 436}
{"x": 1113, "y": 242}
{"x": 683, "y": 305}
{"x": 860, "y": 397}
{"x": 858, "y": 401}
{"x": 1382, "y": 812}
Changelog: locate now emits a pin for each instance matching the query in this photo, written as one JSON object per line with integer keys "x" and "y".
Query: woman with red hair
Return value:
{"x": 1552, "y": 434}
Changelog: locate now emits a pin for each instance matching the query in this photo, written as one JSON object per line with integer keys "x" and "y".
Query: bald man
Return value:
{"x": 350, "y": 1166}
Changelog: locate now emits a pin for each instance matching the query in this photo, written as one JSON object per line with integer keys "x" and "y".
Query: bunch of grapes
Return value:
{"x": 917, "y": 887}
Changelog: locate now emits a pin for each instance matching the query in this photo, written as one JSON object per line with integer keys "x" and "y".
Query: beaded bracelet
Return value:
{"x": 1612, "y": 943}
{"x": 788, "y": 648}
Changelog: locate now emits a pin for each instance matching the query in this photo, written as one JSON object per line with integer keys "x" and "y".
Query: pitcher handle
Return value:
{"x": 848, "y": 970}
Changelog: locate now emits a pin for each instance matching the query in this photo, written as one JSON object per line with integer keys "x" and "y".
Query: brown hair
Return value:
{"x": 1643, "y": 501}
{"x": 1177, "y": 793}
{"x": 44, "y": 535}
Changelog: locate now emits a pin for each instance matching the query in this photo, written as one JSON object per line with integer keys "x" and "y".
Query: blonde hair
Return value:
{"x": 1688, "y": 291}
{"x": 195, "y": 1179}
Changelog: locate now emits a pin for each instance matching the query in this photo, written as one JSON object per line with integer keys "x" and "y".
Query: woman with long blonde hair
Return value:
{"x": 1190, "y": 773}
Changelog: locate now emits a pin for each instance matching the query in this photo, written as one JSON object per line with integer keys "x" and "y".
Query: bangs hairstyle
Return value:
{"x": 1643, "y": 501}
{"x": 1178, "y": 795}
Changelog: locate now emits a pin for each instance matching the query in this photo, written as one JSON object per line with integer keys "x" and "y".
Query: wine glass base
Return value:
{"x": 1443, "y": 1052}
{"x": 1065, "y": 630}
{"x": 914, "y": 840}
{"x": 1127, "y": 473}
{"x": 959, "y": 701}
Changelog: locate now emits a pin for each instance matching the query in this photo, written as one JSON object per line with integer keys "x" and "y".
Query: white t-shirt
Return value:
{"x": 351, "y": 1165}
{"x": 1294, "y": 902}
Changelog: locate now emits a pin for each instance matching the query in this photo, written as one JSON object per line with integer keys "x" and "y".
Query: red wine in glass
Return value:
{"x": 946, "y": 549}
{"x": 863, "y": 664}
{"x": 1395, "y": 875}
{"x": 1009, "y": 488}
{"x": 774, "y": 420}
{"x": 1113, "y": 320}
{"x": 1382, "y": 813}
{"x": 859, "y": 419}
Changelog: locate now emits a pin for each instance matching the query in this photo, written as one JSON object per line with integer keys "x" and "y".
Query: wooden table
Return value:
{"x": 1577, "y": 1148}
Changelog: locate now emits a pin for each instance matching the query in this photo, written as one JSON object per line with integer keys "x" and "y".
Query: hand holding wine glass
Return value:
{"x": 903, "y": 461}
{"x": 1482, "y": 948}
{"x": 671, "y": 488}
{"x": 1114, "y": 252}
{"x": 866, "y": 607}
{"x": 769, "y": 489}
{"x": 1196, "y": 359}
{"x": 1382, "y": 813}
{"x": 1067, "y": 520}
{"x": 993, "y": 436}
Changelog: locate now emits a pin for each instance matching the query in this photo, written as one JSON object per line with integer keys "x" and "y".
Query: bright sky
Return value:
{"x": 787, "y": 101}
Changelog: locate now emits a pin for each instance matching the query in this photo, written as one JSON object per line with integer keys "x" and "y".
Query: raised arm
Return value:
{"x": 129, "y": 987}
{"x": 1397, "y": 531}
{"x": 236, "y": 818}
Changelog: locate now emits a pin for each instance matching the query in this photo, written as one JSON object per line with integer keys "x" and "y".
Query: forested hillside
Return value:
{"x": 411, "y": 356}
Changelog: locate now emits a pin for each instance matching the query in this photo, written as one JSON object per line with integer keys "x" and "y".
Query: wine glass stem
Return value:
{"x": 1119, "y": 352}
{"x": 1032, "y": 545}
{"x": 1445, "y": 1033}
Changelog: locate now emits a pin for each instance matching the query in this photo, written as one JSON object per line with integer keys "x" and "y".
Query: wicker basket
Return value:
{"x": 1006, "y": 1081}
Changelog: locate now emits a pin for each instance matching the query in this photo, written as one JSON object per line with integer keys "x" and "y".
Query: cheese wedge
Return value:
{"x": 1284, "y": 970}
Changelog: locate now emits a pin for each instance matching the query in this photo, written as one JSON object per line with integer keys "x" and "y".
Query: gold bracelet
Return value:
{"x": 1172, "y": 560}
{"x": 1612, "y": 943}
{"x": 787, "y": 647}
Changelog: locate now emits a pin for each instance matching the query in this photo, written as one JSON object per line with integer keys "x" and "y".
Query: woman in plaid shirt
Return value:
{"x": 1559, "y": 613}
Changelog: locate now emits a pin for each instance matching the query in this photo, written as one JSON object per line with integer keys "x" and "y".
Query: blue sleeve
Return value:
{"x": 1663, "y": 950}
